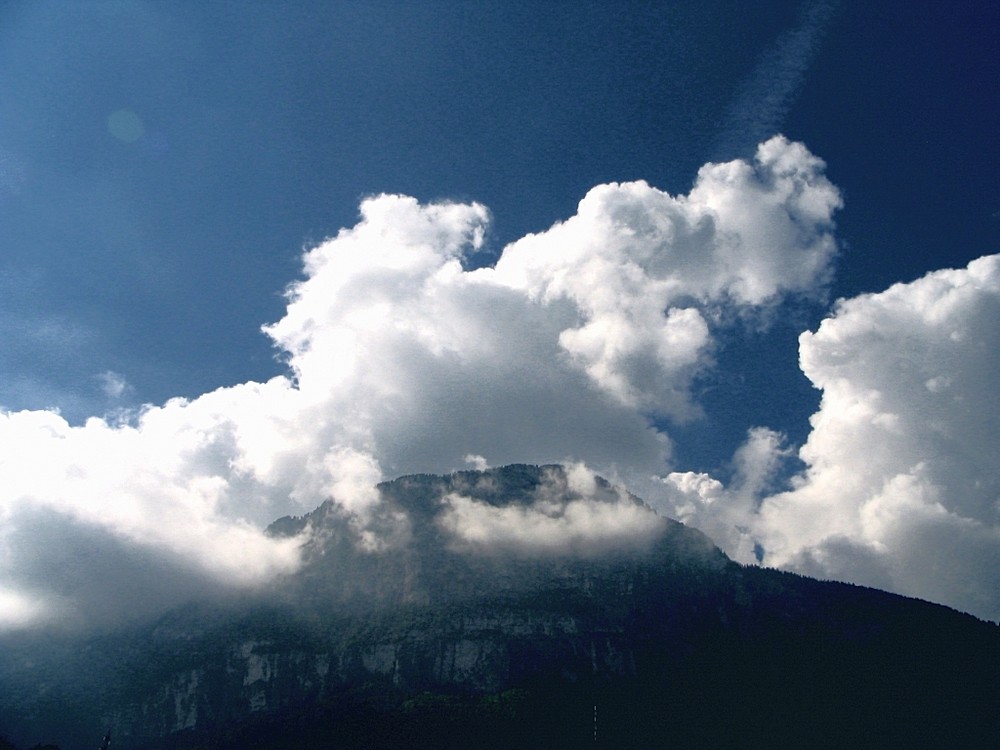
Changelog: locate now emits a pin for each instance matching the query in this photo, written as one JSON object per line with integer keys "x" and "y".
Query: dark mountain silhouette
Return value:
{"x": 513, "y": 608}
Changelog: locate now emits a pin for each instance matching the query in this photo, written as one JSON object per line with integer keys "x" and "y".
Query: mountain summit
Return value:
{"x": 504, "y": 533}
{"x": 522, "y": 606}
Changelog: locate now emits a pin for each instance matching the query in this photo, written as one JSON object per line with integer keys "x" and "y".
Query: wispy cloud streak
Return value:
{"x": 764, "y": 98}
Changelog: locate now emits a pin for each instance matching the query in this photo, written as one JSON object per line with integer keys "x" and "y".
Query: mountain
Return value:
{"x": 516, "y": 607}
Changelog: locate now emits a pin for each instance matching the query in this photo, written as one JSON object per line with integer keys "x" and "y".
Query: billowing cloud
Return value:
{"x": 645, "y": 272}
{"x": 902, "y": 458}
{"x": 400, "y": 360}
{"x": 569, "y": 513}
{"x": 85, "y": 508}
{"x": 727, "y": 513}
{"x": 901, "y": 489}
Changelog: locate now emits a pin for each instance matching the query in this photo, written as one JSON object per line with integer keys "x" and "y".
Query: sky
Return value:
{"x": 253, "y": 256}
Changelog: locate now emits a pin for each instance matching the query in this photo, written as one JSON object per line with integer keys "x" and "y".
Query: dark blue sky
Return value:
{"x": 154, "y": 243}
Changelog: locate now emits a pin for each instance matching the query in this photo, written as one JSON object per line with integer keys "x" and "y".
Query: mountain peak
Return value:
{"x": 497, "y": 608}
{"x": 505, "y": 530}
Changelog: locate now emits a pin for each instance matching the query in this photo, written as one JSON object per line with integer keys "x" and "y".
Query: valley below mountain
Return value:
{"x": 524, "y": 606}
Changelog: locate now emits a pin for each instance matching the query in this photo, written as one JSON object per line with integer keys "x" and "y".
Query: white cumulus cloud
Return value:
{"x": 645, "y": 271}
{"x": 902, "y": 486}
{"x": 402, "y": 361}
{"x": 569, "y": 513}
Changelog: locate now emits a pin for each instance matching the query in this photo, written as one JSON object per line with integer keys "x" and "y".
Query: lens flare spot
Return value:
{"x": 126, "y": 125}
{"x": 12, "y": 173}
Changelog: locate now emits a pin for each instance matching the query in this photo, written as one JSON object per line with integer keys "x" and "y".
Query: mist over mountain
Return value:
{"x": 522, "y": 606}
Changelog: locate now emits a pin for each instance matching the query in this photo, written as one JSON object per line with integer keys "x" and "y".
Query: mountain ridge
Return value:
{"x": 478, "y": 599}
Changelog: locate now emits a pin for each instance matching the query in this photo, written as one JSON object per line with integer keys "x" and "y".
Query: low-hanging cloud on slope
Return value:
{"x": 570, "y": 512}
{"x": 401, "y": 361}
{"x": 901, "y": 489}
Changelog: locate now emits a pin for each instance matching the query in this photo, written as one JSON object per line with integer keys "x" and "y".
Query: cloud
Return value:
{"x": 902, "y": 458}
{"x": 569, "y": 513}
{"x": 19, "y": 610}
{"x": 764, "y": 98}
{"x": 645, "y": 272}
{"x": 162, "y": 486}
{"x": 479, "y": 463}
{"x": 901, "y": 488}
{"x": 112, "y": 384}
{"x": 727, "y": 514}
{"x": 402, "y": 361}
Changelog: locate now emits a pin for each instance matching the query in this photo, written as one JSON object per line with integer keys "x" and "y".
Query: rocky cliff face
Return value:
{"x": 479, "y": 653}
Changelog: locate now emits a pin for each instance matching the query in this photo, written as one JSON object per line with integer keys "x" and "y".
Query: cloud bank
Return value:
{"x": 401, "y": 360}
{"x": 901, "y": 489}
{"x": 569, "y": 513}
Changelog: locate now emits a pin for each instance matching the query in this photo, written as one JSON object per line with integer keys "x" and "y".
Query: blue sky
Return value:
{"x": 263, "y": 126}
{"x": 163, "y": 167}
